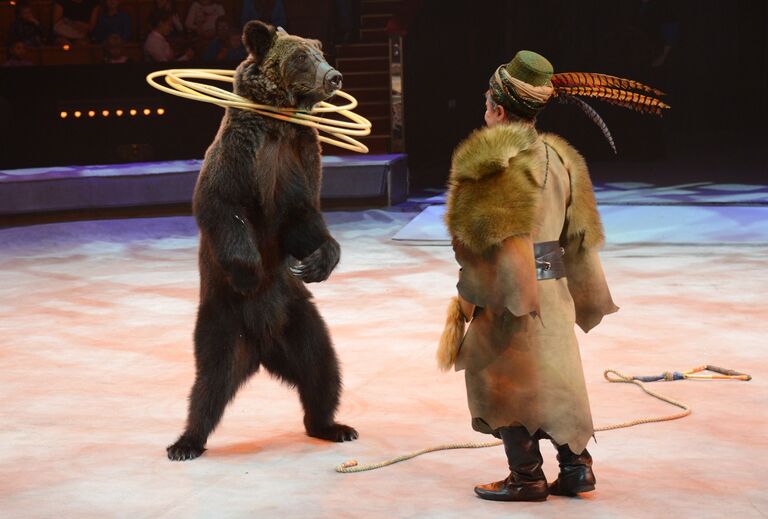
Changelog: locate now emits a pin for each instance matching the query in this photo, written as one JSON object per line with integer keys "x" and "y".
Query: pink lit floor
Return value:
{"x": 96, "y": 363}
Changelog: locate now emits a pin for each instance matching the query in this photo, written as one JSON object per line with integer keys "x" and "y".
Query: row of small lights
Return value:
{"x": 106, "y": 113}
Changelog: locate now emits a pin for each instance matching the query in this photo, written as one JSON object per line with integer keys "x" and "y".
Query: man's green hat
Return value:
{"x": 531, "y": 68}
{"x": 525, "y": 85}
{"x": 526, "y": 67}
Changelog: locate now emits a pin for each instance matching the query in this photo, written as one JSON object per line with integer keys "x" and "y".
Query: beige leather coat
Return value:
{"x": 509, "y": 188}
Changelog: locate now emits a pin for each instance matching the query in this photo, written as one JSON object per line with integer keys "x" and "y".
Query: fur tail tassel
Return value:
{"x": 452, "y": 336}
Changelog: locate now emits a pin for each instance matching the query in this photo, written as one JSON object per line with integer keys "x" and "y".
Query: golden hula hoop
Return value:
{"x": 179, "y": 84}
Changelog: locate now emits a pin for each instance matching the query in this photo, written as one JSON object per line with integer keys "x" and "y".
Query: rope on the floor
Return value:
{"x": 611, "y": 375}
{"x": 623, "y": 379}
{"x": 352, "y": 465}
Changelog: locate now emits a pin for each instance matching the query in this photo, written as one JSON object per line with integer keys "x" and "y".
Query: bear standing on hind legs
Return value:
{"x": 257, "y": 206}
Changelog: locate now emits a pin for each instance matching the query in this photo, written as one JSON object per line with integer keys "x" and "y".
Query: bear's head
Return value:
{"x": 284, "y": 70}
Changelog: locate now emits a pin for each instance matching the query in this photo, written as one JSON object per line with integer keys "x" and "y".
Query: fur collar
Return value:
{"x": 494, "y": 188}
{"x": 487, "y": 151}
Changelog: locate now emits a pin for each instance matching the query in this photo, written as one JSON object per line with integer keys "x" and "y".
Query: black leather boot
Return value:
{"x": 576, "y": 474}
{"x": 526, "y": 480}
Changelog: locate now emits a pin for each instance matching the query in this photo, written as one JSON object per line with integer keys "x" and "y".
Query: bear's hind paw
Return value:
{"x": 184, "y": 449}
{"x": 335, "y": 433}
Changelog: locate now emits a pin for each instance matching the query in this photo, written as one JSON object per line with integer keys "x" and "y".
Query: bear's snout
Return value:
{"x": 332, "y": 80}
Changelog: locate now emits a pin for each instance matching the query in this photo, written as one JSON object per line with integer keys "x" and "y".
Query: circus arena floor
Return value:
{"x": 96, "y": 363}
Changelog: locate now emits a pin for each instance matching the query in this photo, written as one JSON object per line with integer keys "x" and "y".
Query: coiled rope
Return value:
{"x": 611, "y": 375}
{"x": 178, "y": 83}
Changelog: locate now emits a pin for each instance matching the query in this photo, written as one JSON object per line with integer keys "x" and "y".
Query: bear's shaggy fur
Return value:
{"x": 262, "y": 237}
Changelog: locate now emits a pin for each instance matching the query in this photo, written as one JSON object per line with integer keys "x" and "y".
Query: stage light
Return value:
{"x": 91, "y": 113}
{"x": 63, "y": 115}
{"x": 160, "y": 111}
{"x": 77, "y": 114}
{"x": 119, "y": 113}
{"x": 105, "y": 113}
{"x": 65, "y": 46}
{"x": 133, "y": 111}
{"x": 13, "y": 2}
{"x": 147, "y": 111}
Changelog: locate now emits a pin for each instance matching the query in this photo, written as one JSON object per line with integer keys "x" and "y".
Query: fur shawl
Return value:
{"x": 494, "y": 189}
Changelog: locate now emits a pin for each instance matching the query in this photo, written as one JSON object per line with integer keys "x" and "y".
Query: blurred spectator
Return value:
{"x": 17, "y": 55}
{"x": 112, "y": 21}
{"x": 74, "y": 20}
{"x": 269, "y": 11}
{"x": 156, "y": 47}
{"x": 202, "y": 16}
{"x": 178, "y": 37}
{"x": 227, "y": 46}
{"x": 113, "y": 50}
{"x": 170, "y": 6}
{"x": 25, "y": 27}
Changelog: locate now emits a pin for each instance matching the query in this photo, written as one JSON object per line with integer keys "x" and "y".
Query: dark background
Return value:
{"x": 37, "y": 136}
{"x": 715, "y": 76}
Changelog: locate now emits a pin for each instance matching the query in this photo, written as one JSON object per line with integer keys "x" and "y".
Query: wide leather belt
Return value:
{"x": 549, "y": 260}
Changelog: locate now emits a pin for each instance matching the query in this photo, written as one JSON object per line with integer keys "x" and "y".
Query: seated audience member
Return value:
{"x": 113, "y": 50}
{"x": 178, "y": 36}
{"x": 227, "y": 46}
{"x": 74, "y": 20}
{"x": 266, "y": 11}
{"x": 170, "y": 6}
{"x": 156, "y": 47}
{"x": 112, "y": 21}
{"x": 25, "y": 27}
{"x": 201, "y": 18}
{"x": 17, "y": 55}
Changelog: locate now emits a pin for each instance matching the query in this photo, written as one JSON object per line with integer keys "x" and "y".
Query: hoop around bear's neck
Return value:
{"x": 343, "y": 132}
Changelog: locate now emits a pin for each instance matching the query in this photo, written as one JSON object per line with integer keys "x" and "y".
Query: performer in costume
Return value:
{"x": 526, "y": 233}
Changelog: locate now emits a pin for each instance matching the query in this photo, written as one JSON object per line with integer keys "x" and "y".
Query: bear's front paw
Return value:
{"x": 318, "y": 266}
{"x": 184, "y": 449}
{"x": 336, "y": 433}
{"x": 244, "y": 279}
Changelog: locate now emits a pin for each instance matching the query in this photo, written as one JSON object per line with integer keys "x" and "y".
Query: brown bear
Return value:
{"x": 262, "y": 236}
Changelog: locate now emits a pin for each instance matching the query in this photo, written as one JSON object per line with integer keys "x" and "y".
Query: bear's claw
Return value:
{"x": 335, "y": 433}
{"x": 318, "y": 266}
{"x": 184, "y": 449}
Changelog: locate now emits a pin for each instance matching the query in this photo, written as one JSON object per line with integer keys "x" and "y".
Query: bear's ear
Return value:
{"x": 316, "y": 44}
{"x": 258, "y": 37}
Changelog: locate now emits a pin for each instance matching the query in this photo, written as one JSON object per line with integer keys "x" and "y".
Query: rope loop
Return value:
{"x": 177, "y": 82}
